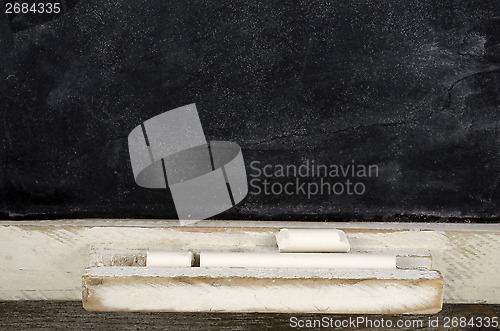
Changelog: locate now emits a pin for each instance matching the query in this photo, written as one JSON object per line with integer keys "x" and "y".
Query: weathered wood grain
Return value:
{"x": 47, "y": 260}
{"x": 69, "y": 315}
{"x": 262, "y": 290}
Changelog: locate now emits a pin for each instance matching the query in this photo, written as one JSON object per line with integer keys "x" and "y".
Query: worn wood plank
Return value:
{"x": 69, "y": 315}
{"x": 48, "y": 260}
{"x": 262, "y": 290}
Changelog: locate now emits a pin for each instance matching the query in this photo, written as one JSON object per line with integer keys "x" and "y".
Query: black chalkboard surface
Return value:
{"x": 409, "y": 88}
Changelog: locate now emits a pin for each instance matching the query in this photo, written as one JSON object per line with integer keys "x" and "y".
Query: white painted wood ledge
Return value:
{"x": 360, "y": 291}
{"x": 45, "y": 260}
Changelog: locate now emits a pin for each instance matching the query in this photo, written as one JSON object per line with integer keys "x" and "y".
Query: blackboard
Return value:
{"x": 410, "y": 87}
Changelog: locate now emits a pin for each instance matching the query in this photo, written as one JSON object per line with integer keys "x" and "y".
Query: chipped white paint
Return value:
{"x": 356, "y": 299}
{"x": 45, "y": 259}
{"x": 278, "y": 273}
{"x": 255, "y": 290}
{"x": 469, "y": 261}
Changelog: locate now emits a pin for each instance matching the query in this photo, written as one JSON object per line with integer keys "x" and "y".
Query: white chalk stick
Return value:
{"x": 169, "y": 259}
{"x": 312, "y": 241}
{"x": 298, "y": 260}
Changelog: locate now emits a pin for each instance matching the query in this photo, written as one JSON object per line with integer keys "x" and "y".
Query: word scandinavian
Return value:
{"x": 310, "y": 178}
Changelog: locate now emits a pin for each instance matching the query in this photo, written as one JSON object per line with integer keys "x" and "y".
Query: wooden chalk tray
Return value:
{"x": 118, "y": 280}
